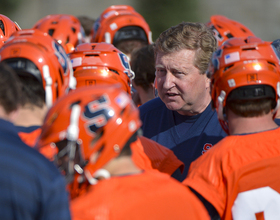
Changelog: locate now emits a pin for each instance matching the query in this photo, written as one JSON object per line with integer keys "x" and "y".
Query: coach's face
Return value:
{"x": 180, "y": 85}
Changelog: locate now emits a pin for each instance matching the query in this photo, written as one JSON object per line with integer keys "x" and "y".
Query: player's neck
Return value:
{"x": 241, "y": 125}
{"x": 30, "y": 116}
{"x": 122, "y": 166}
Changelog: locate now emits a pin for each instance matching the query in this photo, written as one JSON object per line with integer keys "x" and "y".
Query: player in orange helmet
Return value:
{"x": 143, "y": 65}
{"x": 93, "y": 128}
{"x": 101, "y": 63}
{"x": 238, "y": 175}
{"x": 225, "y": 28}
{"x": 45, "y": 72}
{"x": 123, "y": 27}
{"x": 276, "y": 45}
{"x": 7, "y": 28}
{"x": 65, "y": 28}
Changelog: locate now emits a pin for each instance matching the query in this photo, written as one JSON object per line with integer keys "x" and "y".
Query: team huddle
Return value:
{"x": 99, "y": 121}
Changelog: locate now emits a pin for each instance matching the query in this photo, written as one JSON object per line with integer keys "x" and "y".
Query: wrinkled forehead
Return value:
{"x": 184, "y": 58}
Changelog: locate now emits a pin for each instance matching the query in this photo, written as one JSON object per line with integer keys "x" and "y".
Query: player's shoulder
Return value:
{"x": 26, "y": 157}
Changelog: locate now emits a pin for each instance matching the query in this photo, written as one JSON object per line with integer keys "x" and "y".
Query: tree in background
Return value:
{"x": 162, "y": 14}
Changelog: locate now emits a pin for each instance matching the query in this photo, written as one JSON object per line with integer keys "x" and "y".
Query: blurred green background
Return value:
{"x": 260, "y": 16}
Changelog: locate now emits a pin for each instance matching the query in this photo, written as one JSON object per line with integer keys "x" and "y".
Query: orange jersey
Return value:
{"x": 139, "y": 157}
{"x": 148, "y": 154}
{"x": 162, "y": 158}
{"x": 29, "y": 135}
{"x": 240, "y": 177}
{"x": 149, "y": 195}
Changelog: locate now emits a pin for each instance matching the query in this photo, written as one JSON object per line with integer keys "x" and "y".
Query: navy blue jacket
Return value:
{"x": 31, "y": 187}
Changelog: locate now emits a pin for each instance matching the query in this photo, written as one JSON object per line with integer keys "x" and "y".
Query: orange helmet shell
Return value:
{"x": 225, "y": 28}
{"x": 7, "y": 28}
{"x": 111, "y": 21}
{"x": 62, "y": 27}
{"x": 101, "y": 63}
{"x": 47, "y": 55}
{"x": 100, "y": 118}
{"x": 242, "y": 62}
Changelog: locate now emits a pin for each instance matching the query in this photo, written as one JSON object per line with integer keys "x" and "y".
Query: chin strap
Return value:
{"x": 72, "y": 136}
{"x": 107, "y": 36}
{"x": 99, "y": 174}
{"x": 221, "y": 99}
{"x": 48, "y": 87}
{"x": 72, "y": 80}
{"x": 221, "y": 116}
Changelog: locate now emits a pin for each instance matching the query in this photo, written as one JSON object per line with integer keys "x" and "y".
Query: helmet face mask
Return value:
{"x": 69, "y": 159}
{"x": 240, "y": 63}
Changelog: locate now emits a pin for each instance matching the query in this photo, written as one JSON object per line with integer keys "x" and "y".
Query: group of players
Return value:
{"x": 205, "y": 148}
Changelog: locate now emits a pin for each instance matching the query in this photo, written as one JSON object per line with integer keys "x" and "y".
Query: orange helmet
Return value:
{"x": 248, "y": 63}
{"x": 120, "y": 23}
{"x": 62, "y": 27}
{"x": 40, "y": 55}
{"x": 86, "y": 121}
{"x": 225, "y": 28}
{"x": 101, "y": 63}
{"x": 111, "y": 9}
{"x": 7, "y": 28}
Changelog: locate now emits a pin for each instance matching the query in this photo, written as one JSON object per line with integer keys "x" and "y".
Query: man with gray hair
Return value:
{"x": 181, "y": 118}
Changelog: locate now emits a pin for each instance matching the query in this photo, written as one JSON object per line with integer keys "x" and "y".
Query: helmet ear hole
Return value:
{"x": 50, "y": 32}
{"x": 2, "y": 27}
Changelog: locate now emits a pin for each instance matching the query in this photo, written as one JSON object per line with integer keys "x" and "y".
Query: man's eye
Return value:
{"x": 160, "y": 71}
{"x": 177, "y": 72}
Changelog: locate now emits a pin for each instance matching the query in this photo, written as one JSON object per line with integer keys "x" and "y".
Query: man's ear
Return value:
{"x": 208, "y": 82}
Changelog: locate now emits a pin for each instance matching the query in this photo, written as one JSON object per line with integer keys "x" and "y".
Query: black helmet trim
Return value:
{"x": 25, "y": 66}
{"x": 130, "y": 33}
{"x": 252, "y": 92}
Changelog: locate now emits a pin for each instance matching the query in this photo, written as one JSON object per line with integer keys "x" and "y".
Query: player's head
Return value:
{"x": 245, "y": 77}
{"x": 7, "y": 28}
{"x": 65, "y": 28}
{"x": 143, "y": 65}
{"x": 101, "y": 63}
{"x": 10, "y": 91}
{"x": 34, "y": 52}
{"x": 89, "y": 126}
{"x": 117, "y": 25}
{"x": 87, "y": 23}
{"x": 225, "y": 28}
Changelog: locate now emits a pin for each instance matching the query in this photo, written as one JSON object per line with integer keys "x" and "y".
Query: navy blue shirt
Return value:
{"x": 31, "y": 187}
{"x": 187, "y": 136}
{"x": 277, "y": 121}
